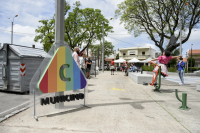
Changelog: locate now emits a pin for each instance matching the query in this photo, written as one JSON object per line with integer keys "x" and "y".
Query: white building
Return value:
{"x": 141, "y": 53}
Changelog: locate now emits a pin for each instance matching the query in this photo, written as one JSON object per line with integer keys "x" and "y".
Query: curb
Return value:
{"x": 14, "y": 110}
{"x": 13, "y": 113}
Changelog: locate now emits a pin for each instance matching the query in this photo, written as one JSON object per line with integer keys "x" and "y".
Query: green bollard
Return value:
{"x": 183, "y": 101}
{"x": 159, "y": 83}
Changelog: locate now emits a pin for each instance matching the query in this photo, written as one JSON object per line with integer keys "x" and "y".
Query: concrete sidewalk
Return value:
{"x": 118, "y": 106}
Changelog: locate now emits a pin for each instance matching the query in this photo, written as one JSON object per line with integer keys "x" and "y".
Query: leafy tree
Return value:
{"x": 117, "y": 56}
{"x": 159, "y": 19}
{"x": 108, "y": 48}
{"x": 81, "y": 26}
{"x": 47, "y": 31}
{"x": 189, "y": 62}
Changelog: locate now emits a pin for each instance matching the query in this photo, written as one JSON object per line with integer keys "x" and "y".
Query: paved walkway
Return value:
{"x": 118, "y": 106}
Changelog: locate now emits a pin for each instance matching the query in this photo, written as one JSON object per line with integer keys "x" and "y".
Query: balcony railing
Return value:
{"x": 136, "y": 56}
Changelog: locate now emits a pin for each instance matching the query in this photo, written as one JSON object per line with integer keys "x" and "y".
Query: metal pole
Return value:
{"x": 98, "y": 57}
{"x": 187, "y": 60}
{"x": 34, "y": 113}
{"x": 59, "y": 36}
{"x": 103, "y": 50}
{"x": 181, "y": 35}
{"x": 95, "y": 64}
{"x": 12, "y": 33}
{"x": 191, "y": 60}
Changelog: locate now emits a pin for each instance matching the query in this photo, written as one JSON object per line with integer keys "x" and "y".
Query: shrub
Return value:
{"x": 172, "y": 69}
{"x": 147, "y": 68}
{"x": 189, "y": 62}
{"x": 193, "y": 68}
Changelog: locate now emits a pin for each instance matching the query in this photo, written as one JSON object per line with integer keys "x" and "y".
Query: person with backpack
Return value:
{"x": 181, "y": 66}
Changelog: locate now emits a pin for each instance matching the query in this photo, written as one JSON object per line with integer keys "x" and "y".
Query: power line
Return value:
{"x": 123, "y": 41}
{"x": 18, "y": 32}
{"x": 120, "y": 34}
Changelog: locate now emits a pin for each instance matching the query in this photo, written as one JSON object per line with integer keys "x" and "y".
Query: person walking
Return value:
{"x": 181, "y": 66}
{"x": 88, "y": 62}
{"x": 126, "y": 69}
{"x": 82, "y": 63}
{"x": 75, "y": 56}
{"x": 112, "y": 67}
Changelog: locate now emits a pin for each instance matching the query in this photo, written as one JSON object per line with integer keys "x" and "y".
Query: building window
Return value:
{"x": 132, "y": 53}
{"x": 124, "y": 53}
{"x": 143, "y": 53}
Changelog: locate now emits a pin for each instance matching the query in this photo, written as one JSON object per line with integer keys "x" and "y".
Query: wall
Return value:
{"x": 153, "y": 53}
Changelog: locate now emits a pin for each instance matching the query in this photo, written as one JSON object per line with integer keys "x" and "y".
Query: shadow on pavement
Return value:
{"x": 16, "y": 93}
{"x": 136, "y": 105}
{"x": 91, "y": 85}
{"x": 90, "y": 91}
{"x": 168, "y": 91}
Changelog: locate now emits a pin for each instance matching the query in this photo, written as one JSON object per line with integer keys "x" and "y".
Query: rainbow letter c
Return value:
{"x": 62, "y": 75}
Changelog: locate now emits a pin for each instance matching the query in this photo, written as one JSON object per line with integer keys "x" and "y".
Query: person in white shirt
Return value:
{"x": 82, "y": 62}
{"x": 76, "y": 57}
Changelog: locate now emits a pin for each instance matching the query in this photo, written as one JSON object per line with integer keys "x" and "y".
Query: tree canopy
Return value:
{"x": 81, "y": 26}
{"x": 160, "y": 19}
{"x": 108, "y": 48}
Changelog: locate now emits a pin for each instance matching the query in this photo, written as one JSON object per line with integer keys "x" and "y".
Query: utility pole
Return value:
{"x": 181, "y": 35}
{"x": 182, "y": 16}
{"x": 103, "y": 50}
{"x": 98, "y": 56}
{"x": 12, "y": 28}
{"x": 187, "y": 61}
{"x": 12, "y": 33}
{"x": 191, "y": 60}
{"x": 95, "y": 64}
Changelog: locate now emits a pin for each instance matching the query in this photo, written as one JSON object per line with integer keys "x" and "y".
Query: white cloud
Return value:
{"x": 153, "y": 46}
{"x": 22, "y": 30}
{"x": 29, "y": 41}
{"x": 194, "y": 37}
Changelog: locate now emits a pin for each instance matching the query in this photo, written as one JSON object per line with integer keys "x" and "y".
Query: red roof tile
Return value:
{"x": 109, "y": 59}
{"x": 195, "y": 51}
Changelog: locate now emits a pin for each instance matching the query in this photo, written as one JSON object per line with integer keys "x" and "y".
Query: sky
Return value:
{"x": 30, "y": 12}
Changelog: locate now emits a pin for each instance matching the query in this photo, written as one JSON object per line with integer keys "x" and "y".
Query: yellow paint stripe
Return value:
{"x": 118, "y": 89}
{"x": 61, "y": 85}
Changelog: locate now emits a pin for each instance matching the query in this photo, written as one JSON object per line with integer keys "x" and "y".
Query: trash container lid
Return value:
{"x": 24, "y": 51}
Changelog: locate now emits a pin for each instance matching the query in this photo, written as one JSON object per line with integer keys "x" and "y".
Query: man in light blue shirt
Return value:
{"x": 181, "y": 66}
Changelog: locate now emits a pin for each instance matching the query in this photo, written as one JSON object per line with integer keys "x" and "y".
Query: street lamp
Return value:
{"x": 12, "y": 28}
{"x": 191, "y": 60}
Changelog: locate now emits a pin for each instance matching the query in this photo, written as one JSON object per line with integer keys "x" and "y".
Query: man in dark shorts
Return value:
{"x": 88, "y": 62}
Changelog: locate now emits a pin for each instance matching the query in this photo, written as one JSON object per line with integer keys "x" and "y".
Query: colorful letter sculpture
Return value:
{"x": 61, "y": 74}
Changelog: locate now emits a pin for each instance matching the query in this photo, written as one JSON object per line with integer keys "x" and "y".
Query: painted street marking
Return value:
{"x": 118, "y": 89}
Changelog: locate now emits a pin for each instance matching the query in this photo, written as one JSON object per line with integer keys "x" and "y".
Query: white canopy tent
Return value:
{"x": 119, "y": 60}
{"x": 134, "y": 60}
